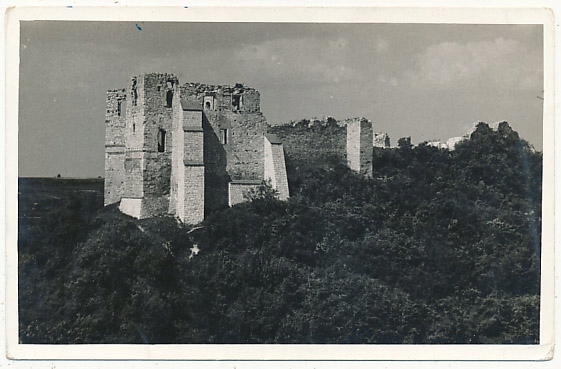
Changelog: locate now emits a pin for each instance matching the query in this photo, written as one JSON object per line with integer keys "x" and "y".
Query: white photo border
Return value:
{"x": 367, "y": 14}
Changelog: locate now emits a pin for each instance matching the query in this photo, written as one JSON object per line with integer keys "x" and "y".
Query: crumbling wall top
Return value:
{"x": 322, "y": 122}
{"x": 196, "y": 87}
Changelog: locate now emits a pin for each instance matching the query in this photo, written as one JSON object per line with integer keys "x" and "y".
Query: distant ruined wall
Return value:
{"x": 349, "y": 141}
{"x": 313, "y": 139}
{"x": 382, "y": 140}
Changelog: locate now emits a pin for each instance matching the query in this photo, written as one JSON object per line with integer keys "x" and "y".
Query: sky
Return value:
{"x": 424, "y": 81}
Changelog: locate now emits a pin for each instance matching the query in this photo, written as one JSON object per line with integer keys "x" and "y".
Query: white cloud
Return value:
{"x": 501, "y": 63}
{"x": 306, "y": 60}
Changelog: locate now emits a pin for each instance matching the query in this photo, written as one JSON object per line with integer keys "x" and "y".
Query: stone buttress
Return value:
{"x": 359, "y": 146}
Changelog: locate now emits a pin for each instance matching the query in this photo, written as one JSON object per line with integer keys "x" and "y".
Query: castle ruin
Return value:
{"x": 186, "y": 150}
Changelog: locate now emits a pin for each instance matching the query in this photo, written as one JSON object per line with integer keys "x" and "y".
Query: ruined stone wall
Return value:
{"x": 237, "y": 143}
{"x": 156, "y": 177}
{"x": 311, "y": 140}
{"x": 194, "y": 167}
{"x": 115, "y": 115}
{"x": 134, "y": 183}
{"x": 233, "y": 136}
{"x": 366, "y": 149}
{"x": 148, "y": 135}
{"x": 238, "y": 190}
{"x": 194, "y": 205}
{"x": 233, "y": 116}
{"x": 115, "y": 146}
{"x": 134, "y": 130}
{"x": 176, "y": 176}
{"x": 237, "y": 98}
{"x": 244, "y": 150}
{"x": 353, "y": 146}
{"x": 349, "y": 141}
{"x": 215, "y": 160}
{"x": 134, "y": 142}
{"x": 115, "y": 178}
{"x": 382, "y": 140}
{"x": 157, "y": 103}
{"x": 157, "y": 88}
{"x": 175, "y": 149}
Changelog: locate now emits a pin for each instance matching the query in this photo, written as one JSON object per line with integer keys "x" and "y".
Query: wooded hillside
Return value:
{"x": 439, "y": 247}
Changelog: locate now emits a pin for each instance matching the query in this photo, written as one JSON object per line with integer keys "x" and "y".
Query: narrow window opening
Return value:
{"x": 169, "y": 99}
{"x": 159, "y": 88}
{"x": 236, "y": 102}
{"x": 133, "y": 128}
{"x": 134, "y": 93}
{"x": 207, "y": 105}
{"x": 223, "y": 136}
{"x": 161, "y": 140}
{"x": 119, "y": 108}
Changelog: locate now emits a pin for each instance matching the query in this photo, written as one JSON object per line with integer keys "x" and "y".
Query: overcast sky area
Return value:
{"x": 424, "y": 81}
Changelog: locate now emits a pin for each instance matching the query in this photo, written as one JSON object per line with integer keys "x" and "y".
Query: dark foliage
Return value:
{"x": 439, "y": 247}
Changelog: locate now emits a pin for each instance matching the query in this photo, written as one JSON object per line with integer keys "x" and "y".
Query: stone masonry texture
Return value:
{"x": 174, "y": 149}
{"x": 348, "y": 141}
{"x": 190, "y": 149}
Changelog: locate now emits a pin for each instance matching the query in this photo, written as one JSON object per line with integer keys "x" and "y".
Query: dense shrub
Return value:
{"x": 439, "y": 247}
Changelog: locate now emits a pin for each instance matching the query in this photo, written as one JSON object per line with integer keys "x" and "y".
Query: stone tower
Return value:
{"x": 186, "y": 150}
{"x": 147, "y": 131}
{"x": 359, "y": 146}
{"x": 115, "y": 146}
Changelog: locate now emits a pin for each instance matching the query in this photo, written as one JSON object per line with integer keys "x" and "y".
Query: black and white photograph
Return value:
{"x": 284, "y": 183}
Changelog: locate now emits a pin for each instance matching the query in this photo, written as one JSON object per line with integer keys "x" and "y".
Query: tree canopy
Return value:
{"x": 438, "y": 247}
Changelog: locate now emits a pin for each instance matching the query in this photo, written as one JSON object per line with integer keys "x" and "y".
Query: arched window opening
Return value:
{"x": 161, "y": 140}
{"x": 207, "y": 105}
{"x": 169, "y": 98}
